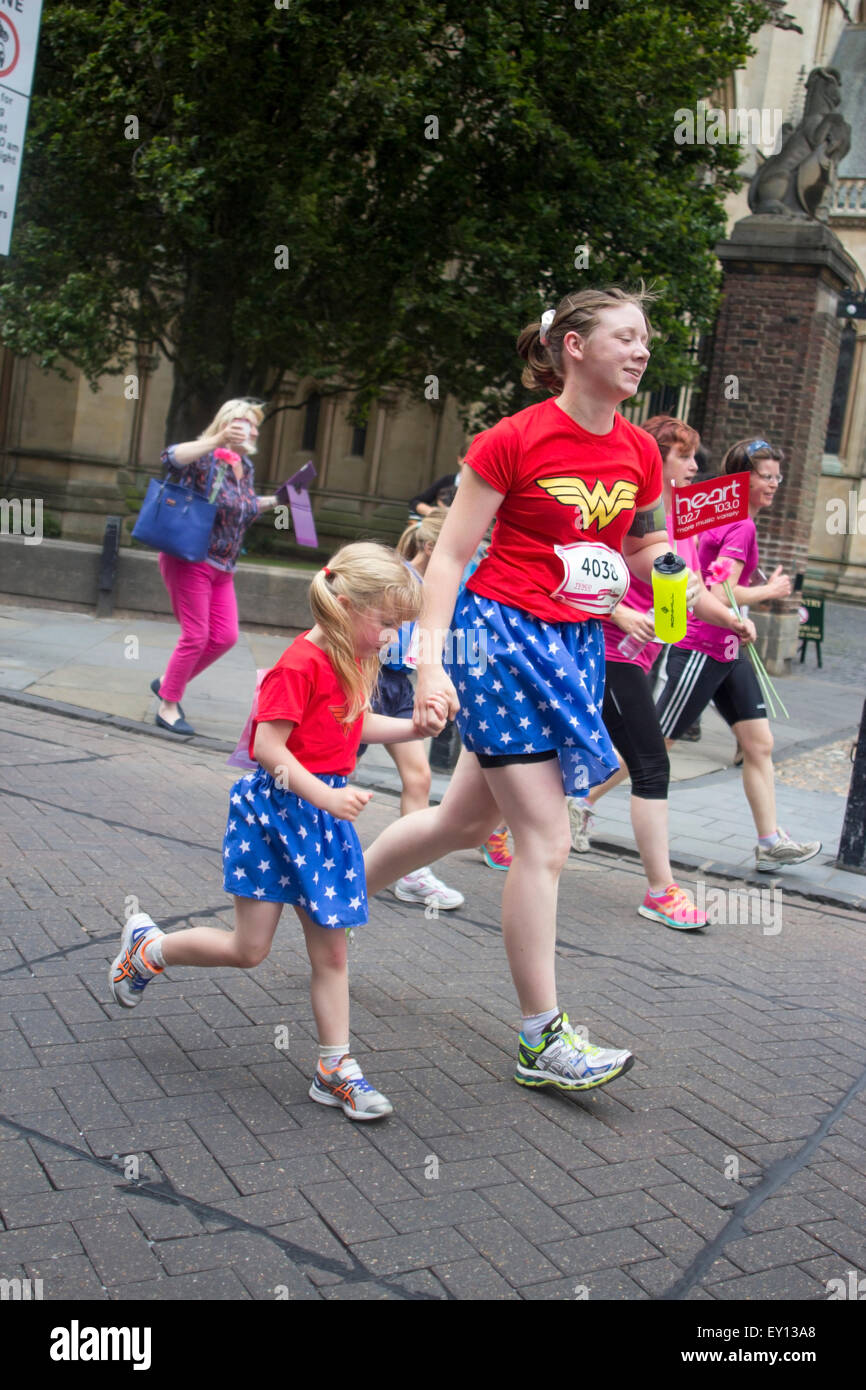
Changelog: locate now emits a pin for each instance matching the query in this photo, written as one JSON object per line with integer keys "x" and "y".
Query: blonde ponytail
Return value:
{"x": 368, "y": 577}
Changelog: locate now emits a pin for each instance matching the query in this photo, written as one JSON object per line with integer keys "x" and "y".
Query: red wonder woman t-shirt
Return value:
{"x": 303, "y": 688}
{"x": 561, "y": 485}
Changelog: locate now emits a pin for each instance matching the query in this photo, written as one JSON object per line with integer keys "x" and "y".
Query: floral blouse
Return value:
{"x": 237, "y": 504}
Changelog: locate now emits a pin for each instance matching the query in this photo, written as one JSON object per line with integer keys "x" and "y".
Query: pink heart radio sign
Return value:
{"x": 19, "y": 36}
{"x": 715, "y": 502}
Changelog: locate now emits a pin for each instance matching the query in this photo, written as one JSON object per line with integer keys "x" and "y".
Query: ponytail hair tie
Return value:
{"x": 326, "y": 572}
{"x": 546, "y": 324}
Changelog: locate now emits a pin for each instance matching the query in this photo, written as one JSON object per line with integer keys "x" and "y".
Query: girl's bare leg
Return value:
{"x": 329, "y": 985}
{"x": 614, "y": 781}
{"x": 244, "y": 948}
{"x": 414, "y": 770}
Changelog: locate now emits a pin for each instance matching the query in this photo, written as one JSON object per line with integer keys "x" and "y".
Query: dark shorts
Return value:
{"x": 394, "y": 695}
{"x": 506, "y": 759}
{"x": 691, "y": 680}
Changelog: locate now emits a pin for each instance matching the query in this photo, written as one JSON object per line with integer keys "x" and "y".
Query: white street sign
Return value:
{"x": 19, "y": 35}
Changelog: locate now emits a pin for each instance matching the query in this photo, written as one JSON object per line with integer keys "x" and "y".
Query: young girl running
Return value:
{"x": 290, "y": 837}
{"x": 700, "y": 668}
{"x": 628, "y": 711}
{"x": 395, "y": 696}
{"x": 573, "y": 487}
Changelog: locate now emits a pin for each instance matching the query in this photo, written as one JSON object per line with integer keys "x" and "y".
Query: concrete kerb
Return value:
{"x": 712, "y": 868}
{"x": 373, "y": 780}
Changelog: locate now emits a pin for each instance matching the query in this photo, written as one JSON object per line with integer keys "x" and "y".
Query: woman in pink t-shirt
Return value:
{"x": 628, "y": 711}
{"x": 707, "y": 665}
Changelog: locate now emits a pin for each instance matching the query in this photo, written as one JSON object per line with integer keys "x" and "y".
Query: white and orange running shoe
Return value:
{"x": 130, "y": 971}
{"x": 344, "y": 1085}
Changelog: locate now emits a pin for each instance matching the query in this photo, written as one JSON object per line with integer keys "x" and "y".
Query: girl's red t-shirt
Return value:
{"x": 561, "y": 485}
{"x": 303, "y": 687}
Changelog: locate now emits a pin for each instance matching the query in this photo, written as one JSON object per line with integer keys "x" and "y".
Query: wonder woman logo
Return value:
{"x": 596, "y": 505}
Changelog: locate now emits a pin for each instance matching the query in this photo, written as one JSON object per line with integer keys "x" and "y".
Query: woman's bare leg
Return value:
{"x": 759, "y": 779}
{"x": 532, "y": 801}
{"x": 464, "y": 820}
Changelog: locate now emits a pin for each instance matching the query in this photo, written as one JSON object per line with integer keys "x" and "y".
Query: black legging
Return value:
{"x": 631, "y": 720}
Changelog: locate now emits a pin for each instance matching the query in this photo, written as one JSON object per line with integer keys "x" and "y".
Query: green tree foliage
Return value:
{"x": 429, "y": 167}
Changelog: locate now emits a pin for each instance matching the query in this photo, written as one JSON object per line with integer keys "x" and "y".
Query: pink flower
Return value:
{"x": 719, "y": 571}
{"x": 226, "y": 456}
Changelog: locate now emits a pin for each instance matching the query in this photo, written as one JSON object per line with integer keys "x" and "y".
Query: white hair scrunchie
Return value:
{"x": 546, "y": 323}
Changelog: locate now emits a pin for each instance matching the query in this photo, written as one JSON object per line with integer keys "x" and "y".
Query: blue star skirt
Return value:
{"x": 280, "y": 849}
{"x": 528, "y": 686}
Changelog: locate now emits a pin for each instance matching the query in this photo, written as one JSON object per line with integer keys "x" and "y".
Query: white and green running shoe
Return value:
{"x": 565, "y": 1061}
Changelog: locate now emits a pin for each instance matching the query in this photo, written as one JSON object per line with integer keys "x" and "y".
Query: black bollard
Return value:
{"x": 852, "y": 846}
{"x": 445, "y": 749}
{"x": 108, "y": 567}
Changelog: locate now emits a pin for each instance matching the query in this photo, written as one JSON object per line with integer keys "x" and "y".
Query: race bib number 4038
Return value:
{"x": 595, "y": 577}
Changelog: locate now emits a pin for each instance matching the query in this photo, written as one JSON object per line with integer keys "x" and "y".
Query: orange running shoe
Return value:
{"x": 495, "y": 851}
{"x": 675, "y": 909}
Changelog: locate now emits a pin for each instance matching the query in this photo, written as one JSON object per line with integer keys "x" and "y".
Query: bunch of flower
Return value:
{"x": 719, "y": 572}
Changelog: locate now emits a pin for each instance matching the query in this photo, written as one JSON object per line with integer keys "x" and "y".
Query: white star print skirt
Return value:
{"x": 280, "y": 849}
{"x": 528, "y": 686}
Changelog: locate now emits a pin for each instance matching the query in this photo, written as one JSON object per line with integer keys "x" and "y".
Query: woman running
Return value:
{"x": 706, "y": 666}
{"x": 629, "y": 712}
{"x": 573, "y": 487}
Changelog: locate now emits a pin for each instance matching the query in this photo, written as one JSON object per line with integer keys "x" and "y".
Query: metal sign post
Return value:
{"x": 852, "y": 846}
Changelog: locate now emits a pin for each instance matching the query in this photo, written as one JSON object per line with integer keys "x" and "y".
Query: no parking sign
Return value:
{"x": 19, "y": 35}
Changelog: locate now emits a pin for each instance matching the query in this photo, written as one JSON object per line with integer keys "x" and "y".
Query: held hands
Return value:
{"x": 437, "y": 717}
{"x": 347, "y": 803}
{"x": 435, "y": 700}
{"x": 779, "y": 584}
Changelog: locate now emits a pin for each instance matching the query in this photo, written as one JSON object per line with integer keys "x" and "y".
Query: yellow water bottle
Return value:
{"x": 670, "y": 577}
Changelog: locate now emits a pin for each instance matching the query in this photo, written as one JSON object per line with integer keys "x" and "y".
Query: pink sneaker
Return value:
{"x": 675, "y": 909}
{"x": 495, "y": 851}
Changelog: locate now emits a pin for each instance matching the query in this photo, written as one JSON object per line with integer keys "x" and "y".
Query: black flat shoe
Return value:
{"x": 154, "y": 685}
{"x": 179, "y": 727}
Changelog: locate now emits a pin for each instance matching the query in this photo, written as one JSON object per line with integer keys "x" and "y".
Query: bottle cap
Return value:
{"x": 669, "y": 564}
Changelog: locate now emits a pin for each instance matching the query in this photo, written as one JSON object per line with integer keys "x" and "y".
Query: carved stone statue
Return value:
{"x": 793, "y": 182}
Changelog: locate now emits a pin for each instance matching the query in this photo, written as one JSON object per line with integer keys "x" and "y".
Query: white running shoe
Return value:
{"x": 565, "y": 1061}
{"x": 424, "y": 887}
{"x": 130, "y": 973}
{"x": 784, "y": 852}
{"x": 344, "y": 1085}
{"x": 580, "y": 819}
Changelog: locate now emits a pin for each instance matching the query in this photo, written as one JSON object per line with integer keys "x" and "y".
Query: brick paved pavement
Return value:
{"x": 172, "y": 1153}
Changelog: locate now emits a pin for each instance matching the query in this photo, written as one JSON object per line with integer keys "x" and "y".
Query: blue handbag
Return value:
{"x": 177, "y": 519}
